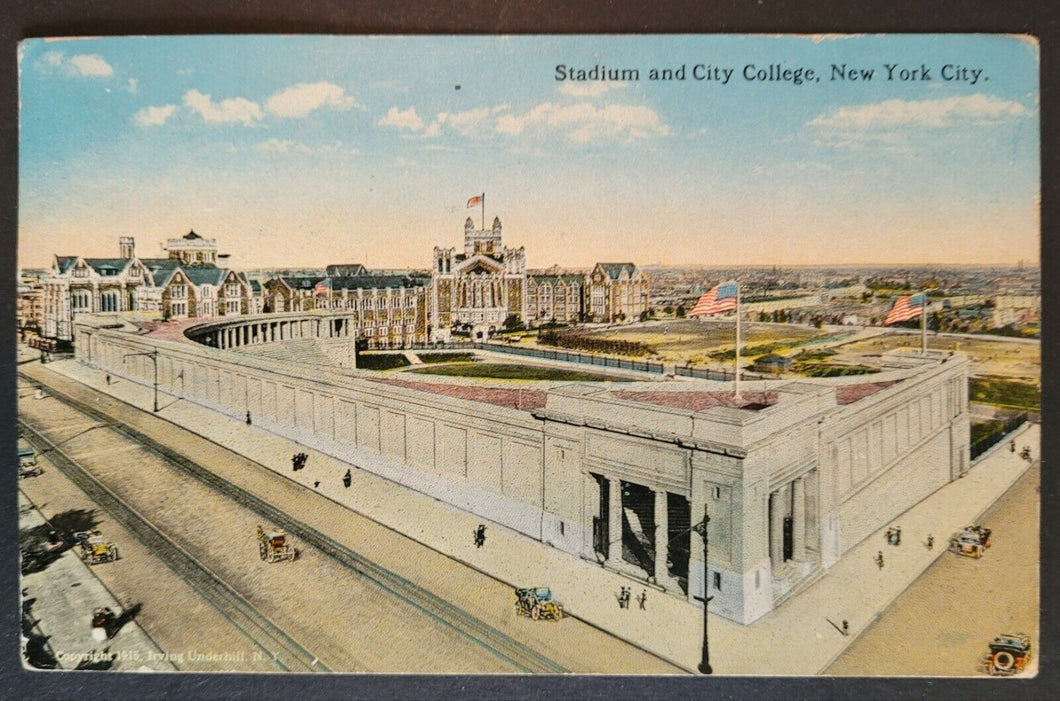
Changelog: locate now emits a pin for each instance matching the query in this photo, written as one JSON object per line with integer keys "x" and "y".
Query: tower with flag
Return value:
{"x": 477, "y": 200}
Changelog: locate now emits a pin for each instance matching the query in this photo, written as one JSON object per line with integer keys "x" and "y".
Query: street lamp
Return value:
{"x": 153, "y": 355}
{"x": 701, "y": 529}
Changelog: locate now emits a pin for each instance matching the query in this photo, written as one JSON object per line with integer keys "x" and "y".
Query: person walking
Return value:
{"x": 879, "y": 559}
{"x": 930, "y": 541}
{"x": 347, "y": 479}
{"x": 248, "y": 419}
{"x": 897, "y": 535}
{"x": 846, "y": 627}
{"x": 642, "y": 598}
{"x": 480, "y": 535}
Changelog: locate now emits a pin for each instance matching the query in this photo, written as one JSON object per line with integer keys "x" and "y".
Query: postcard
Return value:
{"x": 498, "y": 355}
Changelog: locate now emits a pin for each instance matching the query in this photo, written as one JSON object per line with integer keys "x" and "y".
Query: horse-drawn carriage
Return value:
{"x": 273, "y": 546}
{"x": 537, "y": 603}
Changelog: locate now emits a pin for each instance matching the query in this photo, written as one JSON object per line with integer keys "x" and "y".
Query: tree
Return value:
{"x": 513, "y": 323}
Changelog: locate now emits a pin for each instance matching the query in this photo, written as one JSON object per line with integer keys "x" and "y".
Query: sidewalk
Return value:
{"x": 795, "y": 639}
{"x": 61, "y": 599}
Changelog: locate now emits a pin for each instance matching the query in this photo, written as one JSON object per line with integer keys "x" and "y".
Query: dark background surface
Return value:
{"x": 38, "y": 18}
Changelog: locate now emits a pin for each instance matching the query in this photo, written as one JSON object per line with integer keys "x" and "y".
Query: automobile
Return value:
{"x": 537, "y": 603}
{"x": 971, "y": 542}
{"x": 27, "y": 462}
{"x": 1009, "y": 654}
{"x": 95, "y": 548}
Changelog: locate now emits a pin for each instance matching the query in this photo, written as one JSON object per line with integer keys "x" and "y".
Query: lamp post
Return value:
{"x": 701, "y": 529}
{"x": 153, "y": 355}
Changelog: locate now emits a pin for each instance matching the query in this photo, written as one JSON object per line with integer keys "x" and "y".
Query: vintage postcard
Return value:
{"x": 494, "y": 355}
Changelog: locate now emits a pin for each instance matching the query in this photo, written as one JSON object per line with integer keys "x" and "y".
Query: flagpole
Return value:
{"x": 923, "y": 325}
{"x": 483, "y": 211}
{"x": 736, "y": 395}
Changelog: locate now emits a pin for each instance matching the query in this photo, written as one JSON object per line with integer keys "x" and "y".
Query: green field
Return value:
{"x": 512, "y": 371}
{"x": 1005, "y": 393}
{"x": 696, "y": 341}
{"x": 434, "y": 358}
{"x": 384, "y": 361}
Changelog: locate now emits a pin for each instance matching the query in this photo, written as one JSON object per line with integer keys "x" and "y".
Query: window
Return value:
{"x": 178, "y": 292}
{"x": 716, "y": 493}
{"x": 717, "y": 581}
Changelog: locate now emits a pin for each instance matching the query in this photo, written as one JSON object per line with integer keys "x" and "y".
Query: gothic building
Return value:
{"x": 477, "y": 290}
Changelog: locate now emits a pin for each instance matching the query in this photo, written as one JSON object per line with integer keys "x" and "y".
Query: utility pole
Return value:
{"x": 701, "y": 529}
{"x": 153, "y": 355}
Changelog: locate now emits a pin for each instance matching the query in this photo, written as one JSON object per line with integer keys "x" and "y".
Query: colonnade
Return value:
{"x": 252, "y": 332}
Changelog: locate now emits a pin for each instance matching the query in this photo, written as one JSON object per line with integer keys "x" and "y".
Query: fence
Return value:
{"x": 991, "y": 439}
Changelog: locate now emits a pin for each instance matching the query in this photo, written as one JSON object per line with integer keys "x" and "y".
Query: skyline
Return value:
{"x": 304, "y": 151}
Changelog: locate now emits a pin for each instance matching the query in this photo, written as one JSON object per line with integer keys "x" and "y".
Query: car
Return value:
{"x": 27, "y": 462}
{"x": 1009, "y": 654}
{"x": 971, "y": 542}
{"x": 537, "y": 603}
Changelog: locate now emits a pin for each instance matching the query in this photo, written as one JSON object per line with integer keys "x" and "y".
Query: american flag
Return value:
{"x": 323, "y": 287}
{"x": 475, "y": 201}
{"x": 720, "y": 299}
{"x": 906, "y": 308}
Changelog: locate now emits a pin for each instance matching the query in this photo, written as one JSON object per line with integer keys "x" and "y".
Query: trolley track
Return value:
{"x": 287, "y": 653}
{"x": 503, "y": 646}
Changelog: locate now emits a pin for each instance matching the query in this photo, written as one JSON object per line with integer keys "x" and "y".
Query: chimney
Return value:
{"x": 127, "y": 245}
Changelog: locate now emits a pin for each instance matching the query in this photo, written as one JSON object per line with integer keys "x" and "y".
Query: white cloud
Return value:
{"x": 401, "y": 119}
{"x": 91, "y": 66}
{"x": 154, "y": 116}
{"x": 584, "y": 122}
{"x": 300, "y": 100}
{"x": 464, "y": 122}
{"x": 282, "y": 146}
{"x": 938, "y": 113}
{"x": 589, "y": 89}
{"x": 79, "y": 66}
{"x": 52, "y": 59}
{"x": 133, "y": 85}
{"x": 236, "y": 109}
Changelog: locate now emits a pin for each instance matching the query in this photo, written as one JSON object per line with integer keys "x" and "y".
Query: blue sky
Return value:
{"x": 302, "y": 151}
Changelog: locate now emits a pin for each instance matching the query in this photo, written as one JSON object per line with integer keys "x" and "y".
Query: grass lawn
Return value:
{"x": 1005, "y": 393}
{"x": 512, "y": 371}
{"x": 433, "y": 358}
{"x": 386, "y": 361}
{"x": 691, "y": 340}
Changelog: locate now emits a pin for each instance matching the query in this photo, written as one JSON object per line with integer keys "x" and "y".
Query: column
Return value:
{"x": 798, "y": 519}
{"x": 776, "y": 528}
{"x": 662, "y": 536}
{"x": 614, "y": 521}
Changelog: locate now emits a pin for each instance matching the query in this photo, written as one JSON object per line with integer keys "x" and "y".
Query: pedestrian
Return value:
{"x": 108, "y": 380}
{"x": 879, "y": 559}
{"x": 897, "y": 535}
{"x": 316, "y": 484}
{"x": 642, "y": 598}
{"x": 248, "y": 419}
{"x": 480, "y": 535}
{"x": 1012, "y": 446}
{"x": 846, "y": 627}
{"x": 294, "y": 462}
{"x": 930, "y": 541}
{"x": 347, "y": 479}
